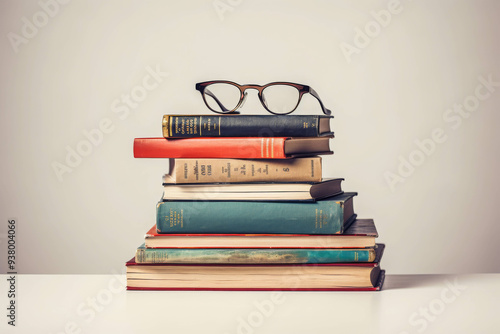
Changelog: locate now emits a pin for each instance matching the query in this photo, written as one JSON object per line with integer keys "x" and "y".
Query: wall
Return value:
{"x": 394, "y": 75}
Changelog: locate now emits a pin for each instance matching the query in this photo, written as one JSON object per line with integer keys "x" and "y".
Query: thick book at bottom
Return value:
{"x": 309, "y": 277}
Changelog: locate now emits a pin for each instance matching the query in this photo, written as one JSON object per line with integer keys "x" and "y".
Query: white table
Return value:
{"x": 408, "y": 304}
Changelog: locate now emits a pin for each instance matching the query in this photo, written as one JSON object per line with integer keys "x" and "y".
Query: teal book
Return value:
{"x": 252, "y": 256}
{"x": 327, "y": 216}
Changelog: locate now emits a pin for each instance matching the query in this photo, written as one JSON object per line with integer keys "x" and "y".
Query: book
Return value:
{"x": 231, "y": 147}
{"x": 254, "y": 191}
{"x": 185, "y": 171}
{"x": 360, "y": 234}
{"x": 252, "y": 256}
{"x": 187, "y": 126}
{"x": 326, "y": 276}
{"x": 326, "y": 216}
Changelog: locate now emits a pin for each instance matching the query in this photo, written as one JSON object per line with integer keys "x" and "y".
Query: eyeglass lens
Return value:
{"x": 222, "y": 97}
{"x": 280, "y": 99}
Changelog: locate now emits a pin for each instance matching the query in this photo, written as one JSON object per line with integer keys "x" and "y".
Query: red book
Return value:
{"x": 231, "y": 147}
{"x": 360, "y": 234}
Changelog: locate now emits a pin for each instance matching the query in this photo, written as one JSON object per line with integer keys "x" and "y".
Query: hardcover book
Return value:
{"x": 360, "y": 234}
{"x": 326, "y": 216}
{"x": 329, "y": 276}
{"x": 187, "y": 126}
{"x": 254, "y": 191}
{"x": 252, "y": 256}
{"x": 231, "y": 147}
{"x": 186, "y": 171}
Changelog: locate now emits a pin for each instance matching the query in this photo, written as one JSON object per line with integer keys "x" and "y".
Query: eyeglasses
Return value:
{"x": 280, "y": 98}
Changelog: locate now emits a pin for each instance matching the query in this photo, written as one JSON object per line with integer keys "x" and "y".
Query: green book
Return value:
{"x": 327, "y": 216}
{"x": 252, "y": 256}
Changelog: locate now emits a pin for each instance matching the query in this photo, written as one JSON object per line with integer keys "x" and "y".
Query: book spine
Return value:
{"x": 320, "y": 217}
{"x": 230, "y": 147}
{"x": 188, "y": 126}
{"x": 234, "y": 170}
{"x": 252, "y": 256}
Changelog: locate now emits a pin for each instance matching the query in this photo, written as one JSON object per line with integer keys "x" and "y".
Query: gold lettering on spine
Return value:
{"x": 165, "y": 126}
{"x": 175, "y": 218}
{"x": 170, "y": 126}
{"x": 219, "y": 125}
{"x": 316, "y": 221}
{"x": 262, "y": 148}
{"x": 200, "y": 126}
{"x": 267, "y": 148}
{"x": 182, "y": 218}
{"x": 272, "y": 147}
{"x": 320, "y": 219}
{"x": 171, "y": 218}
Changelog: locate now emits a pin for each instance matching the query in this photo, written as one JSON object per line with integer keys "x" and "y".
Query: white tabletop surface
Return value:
{"x": 407, "y": 304}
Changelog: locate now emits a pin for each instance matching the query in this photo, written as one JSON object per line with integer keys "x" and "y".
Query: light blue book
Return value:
{"x": 252, "y": 256}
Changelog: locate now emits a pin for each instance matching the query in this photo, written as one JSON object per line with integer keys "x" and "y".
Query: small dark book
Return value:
{"x": 187, "y": 126}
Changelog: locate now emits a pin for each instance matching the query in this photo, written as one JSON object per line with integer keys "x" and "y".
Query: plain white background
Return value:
{"x": 70, "y": 73}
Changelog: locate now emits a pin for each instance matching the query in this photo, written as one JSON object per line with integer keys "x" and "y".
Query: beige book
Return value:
{"x": 243, "y": 171}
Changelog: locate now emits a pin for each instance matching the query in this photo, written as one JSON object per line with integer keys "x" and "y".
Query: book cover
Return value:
{"x": 360, "y": 234}
{"x": 304, "y": 191}
{"x": 255, "y": 256}
{"x": 187, "y": 126}
{"x": 327, "y": 216}
{"x": 377, "y": 287}
{"x": 361, "y": 276}
{"x": 231, "y": 147}
{"x": 194, "y": 171}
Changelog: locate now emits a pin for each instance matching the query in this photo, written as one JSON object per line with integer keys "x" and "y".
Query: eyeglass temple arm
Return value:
{"x": 313, "y": 93}
{"x": 221, "y": 106}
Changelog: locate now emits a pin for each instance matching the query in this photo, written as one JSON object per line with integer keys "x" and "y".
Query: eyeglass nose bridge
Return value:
{"x": 244, "y": 88}
{"x": 252, "y": 86}
{"x": 244, "y": 92}
{"x": 242, "y": 101}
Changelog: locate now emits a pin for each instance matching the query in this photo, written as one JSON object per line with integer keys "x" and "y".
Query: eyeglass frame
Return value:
{"x": 201, "y": 86}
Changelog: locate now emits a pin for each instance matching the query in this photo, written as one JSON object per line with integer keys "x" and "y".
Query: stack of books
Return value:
{"x": 245, "y": 207}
